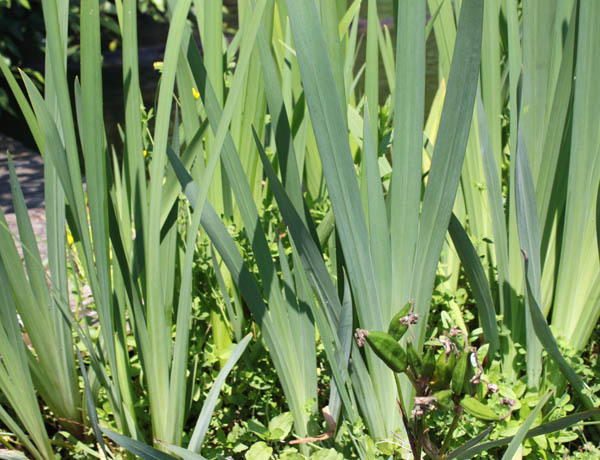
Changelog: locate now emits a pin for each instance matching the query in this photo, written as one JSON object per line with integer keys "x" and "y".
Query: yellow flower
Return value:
{"x": 158, "y": 65}
{"x": 195, "y": 93}
{"x": 70, "y": 239}
{"x": 145, "y": 153}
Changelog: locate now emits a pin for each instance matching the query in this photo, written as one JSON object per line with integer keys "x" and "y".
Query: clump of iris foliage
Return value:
{"x": 280, "y": 259}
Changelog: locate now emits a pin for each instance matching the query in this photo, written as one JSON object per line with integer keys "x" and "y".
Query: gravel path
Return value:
{"x": 29, "y": 167}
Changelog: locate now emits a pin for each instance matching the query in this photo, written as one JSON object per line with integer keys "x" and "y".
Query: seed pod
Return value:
{"x": 388, "y": 350}
{"x": 444, "y": 399}
{"x": 438, "y": 372}
{"x": 449, "y": 367}
{"x": 428, "y": 363}
{"x": 478, "y": 409}
{"x": 442, "y": 374}
{"x": 396, "y": 329}
{"x": 458, "y": 375}
{"x": 414, "y": 360}
{"x": 469, "y": 387}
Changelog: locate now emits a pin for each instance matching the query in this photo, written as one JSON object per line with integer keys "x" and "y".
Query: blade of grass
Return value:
{"x": 159, "y": 332}
{"x": 409, "y": 110}
{"x": 90, "y": 404}
{"x": 538, "y": 21}
{"x": 272, "y": 325}
{"x": 95, "y": 161}
{"x": 210, "y": 402}
{"x": 557, "y": 124}
{"x": 545, "y": 428}
{"x": 372, "y": 66}
{"x": 15, "y": 379}
{"x": 318, "y": 277}
{"x": 496, "y": 206}
{"x": 136, "y": 447}
{"x": 378, "y": 220}
{"x": 577, "y": 303}
{"x": 179, "y": 364}
{"x": 24, "y": 105}
{"x": 344, "y": 332}
{"x": 185, "y": 454}
{"x": 330, "y": 129}
{"x": 53, "y": 371}
{"x": 235, "y": 317}
{"x": 529, "y": 238}
{"x": 469, "y": 444}
{"x": 546, "y": 338}
{"x": 519, "y": 437}
{"x": 478, "y": 282}
{"x": 134, "y": 159}
{"x": 491, "y": 80}
{"x": 295, "y": 381}
{"x": 598, "y": 218}
{"x": 514, "y": 316}
{"x": 328, "y": 118}
{"x": 448, "y": 157}
{"x": 20, "y": 434}
{"x": 31, "y": 254}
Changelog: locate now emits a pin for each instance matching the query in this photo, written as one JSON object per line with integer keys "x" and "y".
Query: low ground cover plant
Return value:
{"x": 414, "y": 284}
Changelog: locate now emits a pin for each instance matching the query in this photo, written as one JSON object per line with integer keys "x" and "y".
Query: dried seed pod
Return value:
{"x": 423, "y": 404}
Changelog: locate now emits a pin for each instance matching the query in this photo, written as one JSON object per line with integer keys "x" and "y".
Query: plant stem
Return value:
{"x": 411, "y": 439}
{"x": 446, "y": 444}
{"x": 400, "y": 397}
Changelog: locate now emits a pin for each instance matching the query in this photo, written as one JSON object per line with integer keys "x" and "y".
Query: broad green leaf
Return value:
{"x": 280, "y": 426}
{"x": 326, "y": 454}
{"x": 259, "y": 451}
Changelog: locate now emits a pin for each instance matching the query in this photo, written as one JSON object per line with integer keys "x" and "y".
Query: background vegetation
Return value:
{"x": 287, "y": 259}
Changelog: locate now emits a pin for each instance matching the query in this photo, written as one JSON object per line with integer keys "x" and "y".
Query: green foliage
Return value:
{"x": 265, "y": 193}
